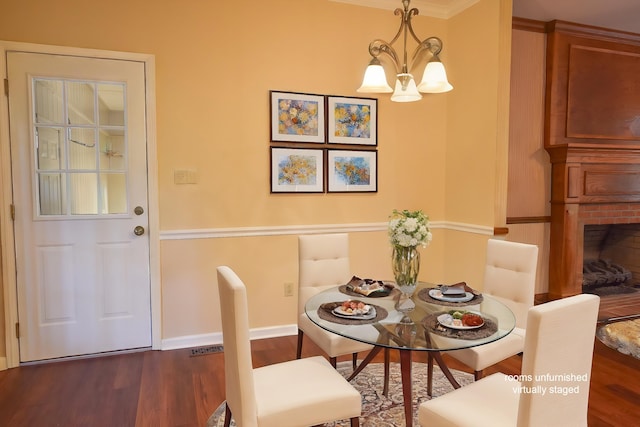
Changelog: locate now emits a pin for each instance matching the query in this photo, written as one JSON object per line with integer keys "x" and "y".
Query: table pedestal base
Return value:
{"x": 405, "y": 373}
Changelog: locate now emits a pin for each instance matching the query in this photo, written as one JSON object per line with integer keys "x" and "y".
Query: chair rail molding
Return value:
{"x": 280, "y": 230}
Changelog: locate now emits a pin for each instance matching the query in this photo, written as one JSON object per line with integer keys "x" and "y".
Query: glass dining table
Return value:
{"x": 407, "y": 323}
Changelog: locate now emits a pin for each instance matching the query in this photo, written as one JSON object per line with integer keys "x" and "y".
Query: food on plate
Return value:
{"x": 355, "y": 307}
{"x": 448, "y": 320}
{"x": 368, "y": 287}
{"x": 470, "y": 319}
{"x": 460, "y": 319}
{"x": 457, "y": 314}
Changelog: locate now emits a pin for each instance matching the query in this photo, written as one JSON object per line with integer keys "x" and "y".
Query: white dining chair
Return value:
{"x": 509, "y": 277}
{"x": 301, "y": 392}
{"x": 323, "y": 263}
{"x": 557, "y": 358}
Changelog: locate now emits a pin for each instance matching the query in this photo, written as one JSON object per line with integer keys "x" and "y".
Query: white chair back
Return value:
{"x": 558, "y": 353}
{"x": 510, "y": 276}
{"x": 323, "y": 262}
{"x": 238, "y": 366}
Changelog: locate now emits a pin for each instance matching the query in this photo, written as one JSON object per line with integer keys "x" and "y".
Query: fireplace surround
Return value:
{"x": 592, "y": 135}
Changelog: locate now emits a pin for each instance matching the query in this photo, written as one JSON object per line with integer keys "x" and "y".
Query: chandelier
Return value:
{"x": 434, "y": 79}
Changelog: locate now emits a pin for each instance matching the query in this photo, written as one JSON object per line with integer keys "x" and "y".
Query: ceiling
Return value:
{"x": 436, "y": 8}
{"x": 621, "y": 15}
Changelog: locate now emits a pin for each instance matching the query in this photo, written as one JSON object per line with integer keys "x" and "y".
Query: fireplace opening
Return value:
{"x": 611, "y": 263}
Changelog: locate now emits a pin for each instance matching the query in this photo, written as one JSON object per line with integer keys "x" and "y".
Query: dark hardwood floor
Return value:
{"x": 173, "y": 388}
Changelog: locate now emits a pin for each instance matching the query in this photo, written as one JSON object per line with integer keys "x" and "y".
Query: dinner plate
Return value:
{"x": 338, "y": 311}
{"x": 462, "y": 328}
{"x": 437, "y": 295}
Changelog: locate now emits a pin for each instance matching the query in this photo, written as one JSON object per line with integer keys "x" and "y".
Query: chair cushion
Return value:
{"x": 491, "y": 401}
{"x": 510, "y": 275}
{"x": 332, "y": 344}
{"x": 303, "y": 392}
{"x": 481, "y": 357}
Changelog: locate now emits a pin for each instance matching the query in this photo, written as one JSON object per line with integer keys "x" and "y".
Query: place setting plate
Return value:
{"x": 448, "y": 320}
{"x": 438, "y": 295}
{"x": 363, "y": 315}
{"x": 360, "y": 312}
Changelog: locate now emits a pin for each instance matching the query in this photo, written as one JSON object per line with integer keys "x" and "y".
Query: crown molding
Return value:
{"x": 443, "y": 9}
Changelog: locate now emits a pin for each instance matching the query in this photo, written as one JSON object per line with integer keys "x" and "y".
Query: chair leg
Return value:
{"x": 355, "y": 422}
{"x": 227, "y": 416}
{"x": 477, "y": 375}
{"x": 429, "y": 373}
{"x": 385, "y": 384}
{"x": 299, "y": 351}
{"x": 354, "y": 361}
{"x": 334, "y": 362}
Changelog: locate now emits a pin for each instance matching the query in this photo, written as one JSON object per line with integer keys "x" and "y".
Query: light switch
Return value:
{"x": 185, "y": 176}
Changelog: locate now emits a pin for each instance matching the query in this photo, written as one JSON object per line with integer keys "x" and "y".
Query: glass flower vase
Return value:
{"x": 405, "y": 263}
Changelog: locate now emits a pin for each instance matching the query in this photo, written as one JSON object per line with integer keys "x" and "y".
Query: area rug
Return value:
{"x": 377, "y": 410}
{"x": 622, "y": 336}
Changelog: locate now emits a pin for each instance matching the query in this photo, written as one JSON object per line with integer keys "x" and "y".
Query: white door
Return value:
{"x": 78, "y": 152}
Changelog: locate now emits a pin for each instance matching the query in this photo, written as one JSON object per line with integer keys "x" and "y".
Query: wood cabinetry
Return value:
{"x": 592, "y": 135}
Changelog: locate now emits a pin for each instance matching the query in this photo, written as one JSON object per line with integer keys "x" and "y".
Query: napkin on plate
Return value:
{"x": 457, "y": 289}
{"x": 454, "y": 290}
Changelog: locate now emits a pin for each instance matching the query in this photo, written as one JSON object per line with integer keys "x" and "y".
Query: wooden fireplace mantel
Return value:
{"x": 592, "y": 135}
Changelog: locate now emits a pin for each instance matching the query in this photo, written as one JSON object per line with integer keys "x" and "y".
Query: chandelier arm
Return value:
{"x": 409, "y": 16}
{"x": 431, "y": 44}
{"x": 401, "y": 13}
{"x": 379, "y": 46}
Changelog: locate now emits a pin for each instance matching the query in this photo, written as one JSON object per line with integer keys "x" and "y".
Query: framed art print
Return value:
{"x": 297, "y": 170}
{"x": 352, "y": 171}
{"x": 352, "y": 120}
{"x": 297, "y": 117}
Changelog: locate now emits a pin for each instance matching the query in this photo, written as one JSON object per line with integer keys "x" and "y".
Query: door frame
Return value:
{"x": 7, "y": 236}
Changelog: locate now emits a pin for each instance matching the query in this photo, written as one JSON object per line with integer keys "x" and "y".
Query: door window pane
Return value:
{"x": 112, "y": 150}
{"x": 82, "y": 193}
{"x": 52, "y": 194}
{"x": 48, "y": 101}
{"x": 82, "y": 148}
{"x": 80, "y": 103}
{"x": 50, "y": 143}
{"x": 111, "y": 104}
{"x": 114, "y": 193}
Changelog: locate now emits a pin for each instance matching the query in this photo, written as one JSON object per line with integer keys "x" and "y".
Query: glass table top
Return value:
{"x": 395, "y": 322}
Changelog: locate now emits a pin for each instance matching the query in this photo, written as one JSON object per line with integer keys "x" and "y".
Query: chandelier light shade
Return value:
{"x": 375, "y": 80}
{"x": 434, "y": 79}
{"x": 406, "y": 90}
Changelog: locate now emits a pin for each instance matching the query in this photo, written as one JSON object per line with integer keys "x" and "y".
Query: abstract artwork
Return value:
{"x": 352, "y": 120}
{"x": 297, "y": 117}
{"x": 297, "y": 170}
{"x": 352, "y": 171}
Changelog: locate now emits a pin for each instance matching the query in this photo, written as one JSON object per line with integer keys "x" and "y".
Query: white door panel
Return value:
{"x": 77, "y": 128}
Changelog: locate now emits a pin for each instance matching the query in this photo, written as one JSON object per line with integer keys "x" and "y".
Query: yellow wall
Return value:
{"x": 215, "y": 64}
{"x": 477, "y": 132}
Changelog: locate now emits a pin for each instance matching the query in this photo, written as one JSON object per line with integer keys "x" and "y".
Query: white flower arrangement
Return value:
{"x": 409, "y": 229}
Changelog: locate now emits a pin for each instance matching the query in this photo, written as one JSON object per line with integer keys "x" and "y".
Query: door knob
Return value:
{"x": 138, "y": 210}
{"x": 138, "y": 231}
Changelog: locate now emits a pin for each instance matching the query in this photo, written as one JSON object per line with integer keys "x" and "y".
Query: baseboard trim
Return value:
{"x": 189, "y": 341}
